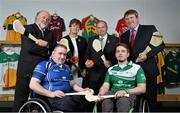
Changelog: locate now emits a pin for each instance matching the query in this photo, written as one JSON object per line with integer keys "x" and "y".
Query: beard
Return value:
{"x": 43, "y": 26}
{"x": 121, "y": 61}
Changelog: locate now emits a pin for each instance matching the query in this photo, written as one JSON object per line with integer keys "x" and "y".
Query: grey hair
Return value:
{"x": 39, "y": 12}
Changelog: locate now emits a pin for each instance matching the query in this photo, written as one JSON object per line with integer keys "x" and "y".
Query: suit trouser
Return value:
{"x": 122, "y": 104}
{"x": 22, "y": 91}
{"x": 151, "y": 92}
{"x": 67, "y": 103}
{"x": 95, "y": 85}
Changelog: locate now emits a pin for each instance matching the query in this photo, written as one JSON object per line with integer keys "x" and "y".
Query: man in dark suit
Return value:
{"x": 138, "y": 37}
{"x": 77, "y": 48}
{"x": 97, "y": 68}
{"x": 31, "y": 54}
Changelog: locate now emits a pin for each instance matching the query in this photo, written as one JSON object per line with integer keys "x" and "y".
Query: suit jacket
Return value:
{"x": 81, "y": 45}
{"x": 142, "y": 40}
{"x": 31, "y": 54}
{"x": 98, "y": 72}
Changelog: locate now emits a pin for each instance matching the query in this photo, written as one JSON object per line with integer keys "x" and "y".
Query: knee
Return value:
{"x": 123, "y": 105}
{"x": 107, "y": 105}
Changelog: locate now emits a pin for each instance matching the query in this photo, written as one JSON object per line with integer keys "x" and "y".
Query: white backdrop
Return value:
{"x": 164, "y": 14}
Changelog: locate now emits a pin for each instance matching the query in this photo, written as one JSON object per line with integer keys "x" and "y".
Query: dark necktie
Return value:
{"x": 132, "y": 38}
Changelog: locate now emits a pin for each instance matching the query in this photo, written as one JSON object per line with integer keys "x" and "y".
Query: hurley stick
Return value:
{"x": 156, "y": 40}
{"x": 97, "y": 47}
{"x": 92, "y": 98}
{"x": 87, "y": 92}
{"x": 64, "y": 41}
{"x": 18, "y": 27}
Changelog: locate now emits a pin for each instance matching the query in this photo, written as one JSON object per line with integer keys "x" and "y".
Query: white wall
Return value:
{"x": 162, "y": 13}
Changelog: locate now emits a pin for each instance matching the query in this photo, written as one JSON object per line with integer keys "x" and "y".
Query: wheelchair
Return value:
{"x": 40, "y": 105}
{"x": 36, "y": 105}
{"x": 140, "y": 105}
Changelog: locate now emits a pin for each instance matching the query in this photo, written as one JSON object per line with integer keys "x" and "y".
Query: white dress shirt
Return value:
{"x": 103, "y": 41}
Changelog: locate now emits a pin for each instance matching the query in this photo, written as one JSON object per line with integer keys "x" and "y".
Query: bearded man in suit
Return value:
{"x": 31, "y": 54}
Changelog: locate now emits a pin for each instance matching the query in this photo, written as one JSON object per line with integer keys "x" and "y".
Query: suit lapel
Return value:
{"x": 70, "y": 45}
{"x": 126, "y": 39}
{"x": 78, "y": 41}
{"x": 108, "y": 41}
{"x": 39, "y": 35}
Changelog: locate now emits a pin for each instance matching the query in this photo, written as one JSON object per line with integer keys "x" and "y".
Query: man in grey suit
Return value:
{"x": 97, "y": 70}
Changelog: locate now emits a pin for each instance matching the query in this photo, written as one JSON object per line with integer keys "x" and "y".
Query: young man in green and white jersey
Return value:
{"x": 121, "y": 79}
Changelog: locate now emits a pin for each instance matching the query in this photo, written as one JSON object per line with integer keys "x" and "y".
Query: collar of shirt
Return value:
{"x": 130, "y": 63}
{"x": 135, "y": 30}
{"x": 73, "y": 38}
{"x": 104, "y": 37}
{"x": 52, "y": 61}
{"x": 60, "y": 65}
{"x": 42, "y": 30}
{"x": 103, "y": 42}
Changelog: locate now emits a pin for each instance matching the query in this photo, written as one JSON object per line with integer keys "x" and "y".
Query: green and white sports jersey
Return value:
{"x": 8, "y": 66}
{"x": 125, "y": 78}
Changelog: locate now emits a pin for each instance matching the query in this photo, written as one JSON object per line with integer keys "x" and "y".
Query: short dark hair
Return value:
{"x": 102, "y": 22}
{"x": 123, "y": 45}
{"x": 131, "y": 11}
{"x": 76, "y": 21}
{"x": 60, "y": 45}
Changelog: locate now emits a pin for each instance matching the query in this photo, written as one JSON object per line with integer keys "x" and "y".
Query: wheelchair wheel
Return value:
{"x": 144, "y": 107}
{"x": 35, "y": 105}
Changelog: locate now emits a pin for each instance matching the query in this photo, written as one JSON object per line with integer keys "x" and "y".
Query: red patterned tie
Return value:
{"x": 132, "y": 38}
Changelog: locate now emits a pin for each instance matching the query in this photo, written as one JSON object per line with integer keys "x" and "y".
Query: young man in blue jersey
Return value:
{"x": 53, "y": 79}
{"x": 122, "y": 79}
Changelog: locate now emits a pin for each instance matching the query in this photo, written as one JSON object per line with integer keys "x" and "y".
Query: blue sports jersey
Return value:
{"x": 53, "y": 76}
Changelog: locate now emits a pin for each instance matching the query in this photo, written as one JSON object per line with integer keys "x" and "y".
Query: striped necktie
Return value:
{"x": 101, "y": 40}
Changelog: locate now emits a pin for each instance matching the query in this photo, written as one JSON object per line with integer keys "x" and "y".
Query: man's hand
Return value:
{"x": 142, "y": 57}
{"x": 89, "y": 63}
{"x": 90, "y": 91}
{"x": 42, "y": 43}
{"x": 120, "y": 93}
{"x": 100, "y": 98}
{"x": 57, "y": 93}
{"x": 107, "y": 64}
{"x": 83, "y": 73}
